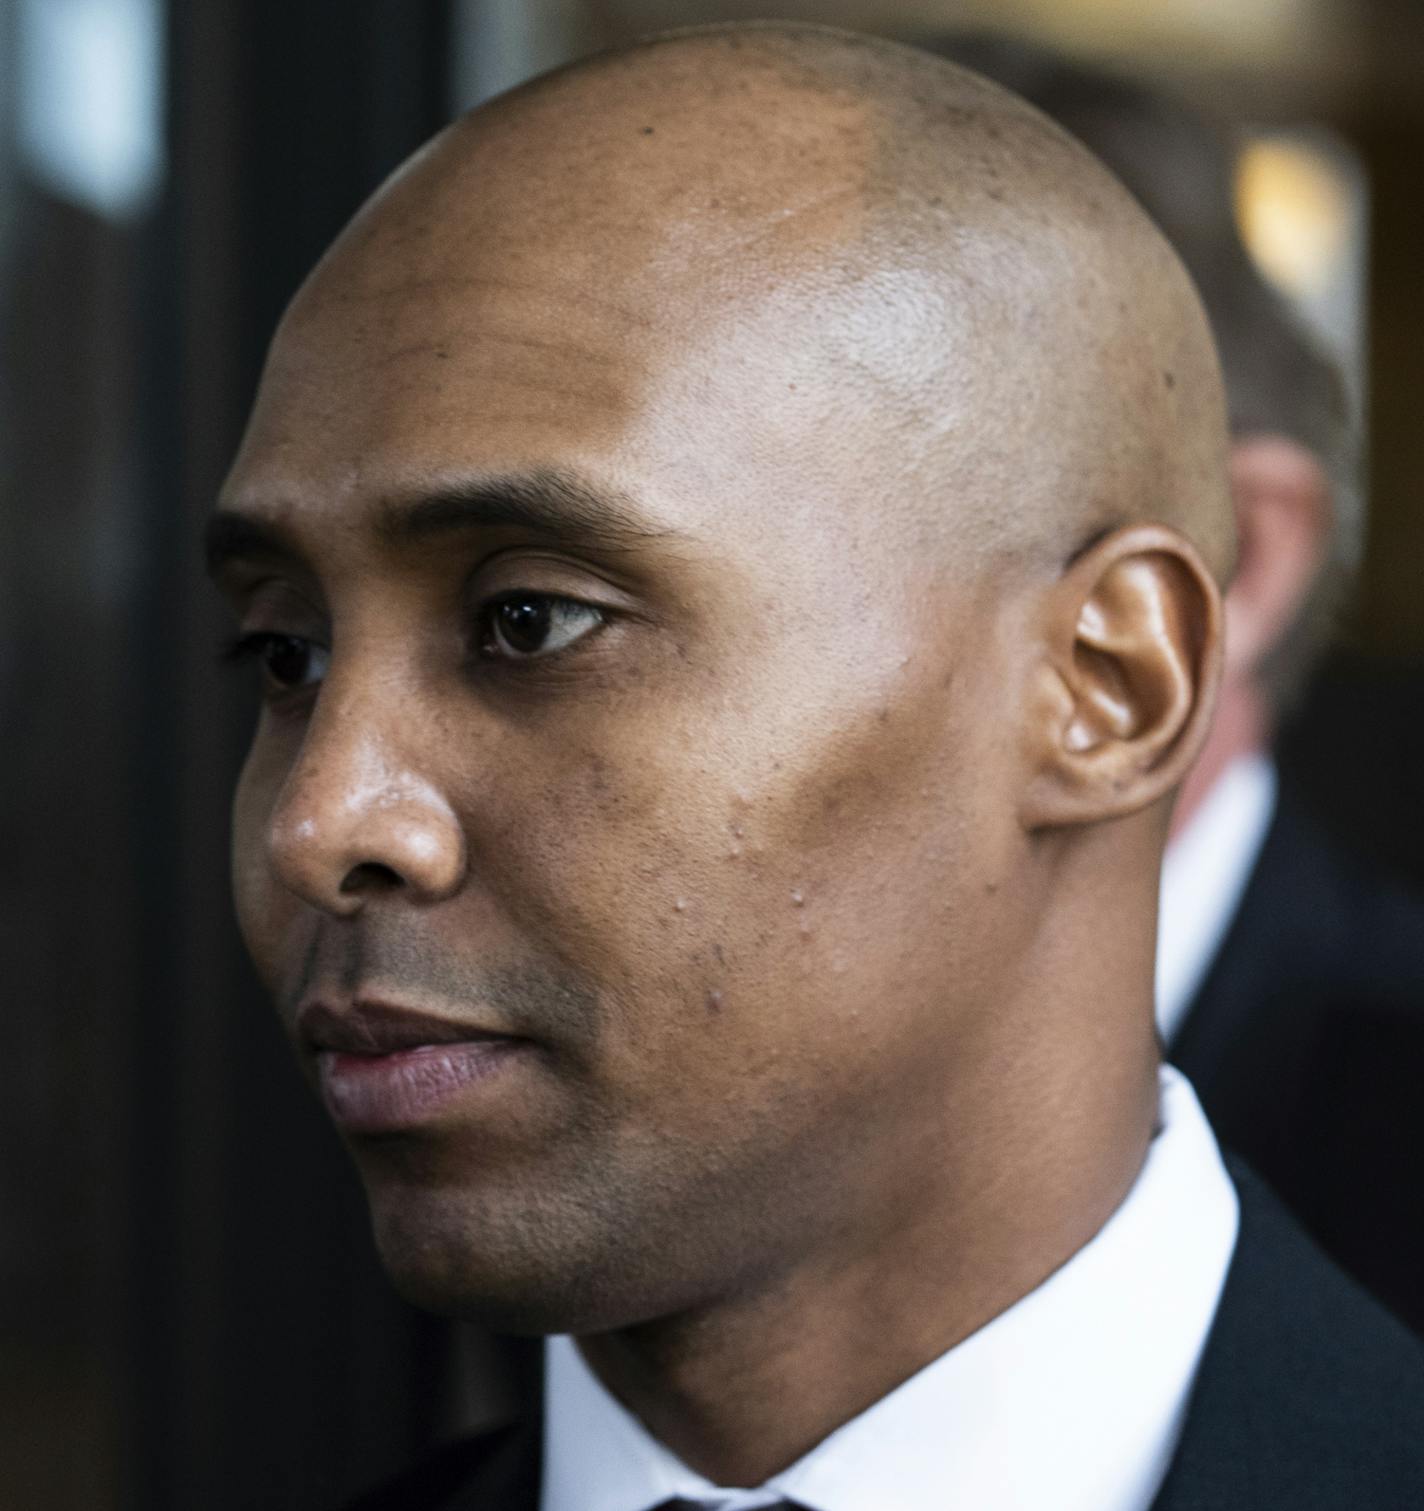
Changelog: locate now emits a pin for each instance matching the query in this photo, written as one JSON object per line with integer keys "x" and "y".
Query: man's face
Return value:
{"x": 622, "y": 725}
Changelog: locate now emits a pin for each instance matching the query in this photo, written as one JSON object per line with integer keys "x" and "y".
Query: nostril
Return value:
{"x": 370, "y": 876}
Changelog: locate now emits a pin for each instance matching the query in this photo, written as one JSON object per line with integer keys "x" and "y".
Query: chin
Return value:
{"x": 515, "y": 1305}
{"x": 518, "y": 1272}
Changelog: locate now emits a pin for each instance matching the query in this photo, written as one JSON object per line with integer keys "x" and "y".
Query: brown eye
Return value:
{"x": 291, "y": 661}
{"x": 525, "y": 625}
{"x": 288, "y": 661}
{"x": 522, "y": 624}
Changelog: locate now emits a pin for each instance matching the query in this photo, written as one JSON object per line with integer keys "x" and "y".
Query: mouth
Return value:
{"x": 386, "y": 1069}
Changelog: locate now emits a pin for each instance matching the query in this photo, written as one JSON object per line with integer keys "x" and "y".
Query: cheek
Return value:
{"x": 754, "y": 906}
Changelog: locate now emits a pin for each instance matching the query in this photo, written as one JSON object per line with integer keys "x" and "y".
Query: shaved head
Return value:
{"x": 905, "y": 236}
{"x": 730, "y": 537}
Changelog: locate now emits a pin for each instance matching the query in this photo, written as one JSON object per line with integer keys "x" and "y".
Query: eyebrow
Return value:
{"x": 555, "y": 505}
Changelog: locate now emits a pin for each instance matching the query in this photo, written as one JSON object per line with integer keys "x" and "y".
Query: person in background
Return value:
{"x": 1290, "y": 974}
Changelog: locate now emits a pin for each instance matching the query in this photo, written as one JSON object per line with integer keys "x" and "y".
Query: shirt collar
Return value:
{"x": 1204, "y": 873}
{"x": 1072, "y": 1399}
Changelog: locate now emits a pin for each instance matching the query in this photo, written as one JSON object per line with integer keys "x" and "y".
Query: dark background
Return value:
{"x": 190, "y": 1312}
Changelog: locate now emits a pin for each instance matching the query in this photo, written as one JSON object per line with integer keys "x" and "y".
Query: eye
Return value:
{"x": 289, "y": 661}
{"x": 522, "y": 626}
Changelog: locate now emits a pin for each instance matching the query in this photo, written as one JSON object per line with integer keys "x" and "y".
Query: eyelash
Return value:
{"x": 255, "y": 645}
{"x": 250, "y": 646}
{"x": 239, "y": 649}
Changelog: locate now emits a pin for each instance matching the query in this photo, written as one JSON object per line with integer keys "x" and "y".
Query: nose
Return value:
{"x": 355, "y": 817}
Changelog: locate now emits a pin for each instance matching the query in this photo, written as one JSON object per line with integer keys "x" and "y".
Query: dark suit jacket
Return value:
{"x": 1309, "y": 1398}
{"x": 1306, "y": 1046}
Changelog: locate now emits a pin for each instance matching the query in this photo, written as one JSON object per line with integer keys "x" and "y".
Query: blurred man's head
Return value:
{"x": 1292, "y": 461}
{"x": 730, "y": 532}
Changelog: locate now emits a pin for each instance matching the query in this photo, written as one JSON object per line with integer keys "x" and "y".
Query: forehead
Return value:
{"x": 721, "y": 415}
{"x": 370, "y": 384}
{"x": 540, "y": 278}
{"x": 715, "y": 324}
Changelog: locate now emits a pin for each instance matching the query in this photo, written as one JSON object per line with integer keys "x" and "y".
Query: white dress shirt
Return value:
{"x": 1071, "y": 1400}
{"x": 1204, "y": 873}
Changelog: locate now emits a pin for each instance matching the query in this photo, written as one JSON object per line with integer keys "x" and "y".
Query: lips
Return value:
{"x": 385, "y": 1069}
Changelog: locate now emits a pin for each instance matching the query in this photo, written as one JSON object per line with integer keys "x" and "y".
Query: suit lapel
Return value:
{"x": 1308, "y": 1398}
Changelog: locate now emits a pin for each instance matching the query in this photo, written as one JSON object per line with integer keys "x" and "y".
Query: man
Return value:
{"x": 732, "y": 533}
{"x": 1290, "y": 976}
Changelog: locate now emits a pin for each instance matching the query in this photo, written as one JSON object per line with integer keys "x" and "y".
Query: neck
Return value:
{"x": 742, "y": 1389}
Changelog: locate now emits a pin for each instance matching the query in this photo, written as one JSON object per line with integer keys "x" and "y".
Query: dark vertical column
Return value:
{"x": 1356, "y": 746}
{"x": 68, "y": 497}
{"x": 271, "y": 1364}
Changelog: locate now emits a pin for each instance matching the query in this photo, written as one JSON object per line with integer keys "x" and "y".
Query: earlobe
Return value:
{"x": 1131, "y": 659}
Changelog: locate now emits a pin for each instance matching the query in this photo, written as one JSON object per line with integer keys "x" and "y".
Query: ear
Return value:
{"x": 1283, "y": 521}
{"x": 1130, "y": 661}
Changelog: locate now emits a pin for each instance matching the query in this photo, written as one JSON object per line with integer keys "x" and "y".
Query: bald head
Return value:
{"x": 838, "y": 220}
